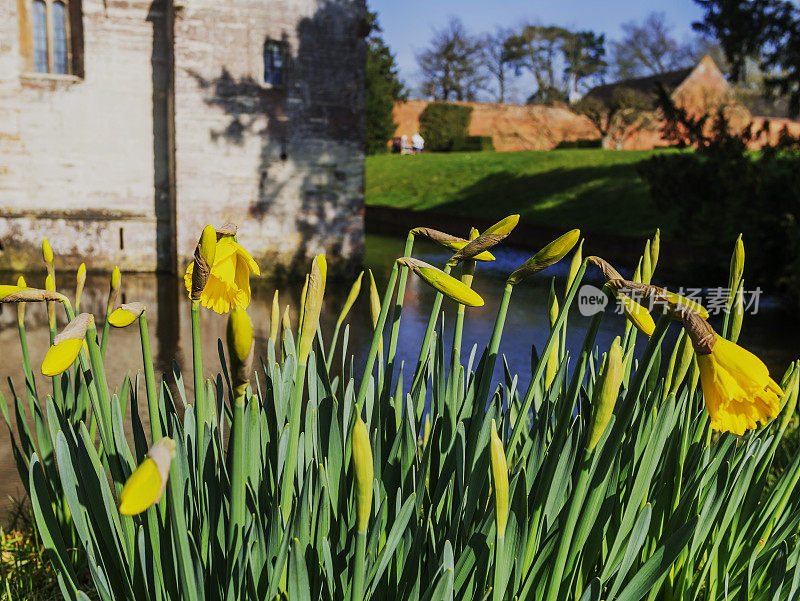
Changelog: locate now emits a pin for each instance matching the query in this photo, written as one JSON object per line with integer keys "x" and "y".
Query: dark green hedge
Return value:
{"x": 442, "y": 125}
{"x": 473, "y": 144}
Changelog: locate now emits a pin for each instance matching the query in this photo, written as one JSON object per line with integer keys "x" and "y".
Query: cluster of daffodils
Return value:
{"x": 290, "y": 476}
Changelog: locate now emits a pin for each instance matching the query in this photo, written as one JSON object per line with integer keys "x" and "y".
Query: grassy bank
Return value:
{"x": 594, "y": 190}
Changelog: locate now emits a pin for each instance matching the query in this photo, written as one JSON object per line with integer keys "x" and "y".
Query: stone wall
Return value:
{"x": 285, "y": 163}
{"x": 171, "y": 127}
{"x": 77, "y": 154}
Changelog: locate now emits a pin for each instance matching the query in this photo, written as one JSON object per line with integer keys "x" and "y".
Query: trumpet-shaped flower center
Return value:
{"x": 229, "y": 282}
{"x": 60, "y": 356}
{"x": 737, "y": 388}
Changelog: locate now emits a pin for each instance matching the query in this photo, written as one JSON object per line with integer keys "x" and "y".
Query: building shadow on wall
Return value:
{"x": 299, "y": 126}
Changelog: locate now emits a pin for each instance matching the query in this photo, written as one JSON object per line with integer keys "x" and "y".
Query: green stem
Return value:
{"x": 150, "y": 381}
{"x": 555, "y": 583}
{"x": 467, "y": 273}
{"x": 540, "y": 367}
{"x": 396, "y": 314}
{"x": 332, "y": 348}
{"x": 106, "y": 328}
{"x": 290, "y": 467}
{"x": 499, "y": 561}
{"x": 426, "y": 339}
{"x": 376, "y": 338}
{"x": 26, "y": 363}
{"x": 236, "y": 522}
{"x": 197, "y": 366}
{"x": 359, "y": 567}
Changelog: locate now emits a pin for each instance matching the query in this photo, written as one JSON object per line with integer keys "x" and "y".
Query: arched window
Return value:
{"x": 59, "y": 38}
{"x": 274, "y": 63}
{"x": 56, "y": 40}
{"x": 41, "y": 61}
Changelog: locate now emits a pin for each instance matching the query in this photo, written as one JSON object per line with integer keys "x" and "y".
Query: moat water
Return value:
{"x": 768, "y": 333}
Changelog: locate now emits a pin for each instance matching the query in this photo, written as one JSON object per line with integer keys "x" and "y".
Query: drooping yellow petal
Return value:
{"x": 60, "y": 356}
{"x": 637, "y": 315}
{"x": 121, "y": 318}
{"x": 141, "y": 490}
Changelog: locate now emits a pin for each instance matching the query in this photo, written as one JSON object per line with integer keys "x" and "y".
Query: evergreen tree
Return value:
{"x": 383, "y": 89}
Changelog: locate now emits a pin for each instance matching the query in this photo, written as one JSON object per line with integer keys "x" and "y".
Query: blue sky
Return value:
{"x": 408, "y": 24}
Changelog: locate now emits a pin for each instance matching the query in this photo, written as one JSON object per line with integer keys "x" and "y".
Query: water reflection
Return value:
{"x": 767, "y": 334}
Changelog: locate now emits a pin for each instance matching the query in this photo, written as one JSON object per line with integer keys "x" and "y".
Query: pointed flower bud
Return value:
{"x": 549, "y": 255}
{"x": 116, "y": 278}
{"x": 452, "y": 243}
{"x": 66, "y": 346}
{"x": 364, "y": 471}
{"x": 125, "y": 315}
{"x": 499, "y": 481}
{"x": 374, "y": 301}
{"x": 738, "y": 313}
{"x": 491, "y": 237}
{"x": 444, "y": 283}
{"x": 147, "y": 483}
{"x": 551, "y": 367}
{"x": 80, "y": 282}
{"x": 574, "y": 266}
{"x": 20, "y": 306}
{"x": 606, "y": 391}
{"x": 240, "y": 350}
{"x": 312, "y": 306}
{"x": 274, "y": 318}
{"x": 50, "y": 283}
{"x": 47, "y": 253}
{"x": 737, "y": 268}
{"x": 355, "y": 289}
{"x": 655, "y": 249}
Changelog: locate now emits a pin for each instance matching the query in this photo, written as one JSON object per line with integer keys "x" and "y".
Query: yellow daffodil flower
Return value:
{"x": 737, "y": 388}
{"x": 229, "y": 283}
{"x": 125, "y": 315}
{"x": 146, "y": 485}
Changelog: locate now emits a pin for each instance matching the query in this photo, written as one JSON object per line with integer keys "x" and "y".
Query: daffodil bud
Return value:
{"x": 240, "y": 350}
{"x": 374, "y": 301}
{"x": 147, "y": 483}
{"x": 204, "y": 254}
{"x": 50, "y": 284}
{"x": 364, "y": 471}
{"x": 655, "y": 249}
{"x": 16, "y": 294}
{"x": 737, "y": 268}
{"x": 66, "y": 346}
{"x": 499, "y": 481}
{"x": 302, "y": 303}
{"x": 125, "y": 315}
{"x": 444, "y": 283}
{"x": 312, "y": 306}
{"x": 7, "y": 291}
{"x": 274, "y": 318}
{"x": 491, "y": 237}
{"x": 286, "y": 321}
{"x": 574, "y": 266}
{"x": 791, "y": 400}
{"x": 80, "y": 282}
{"x": 355, "y": 289}
{"x": 647, "y": 271}
{"x": 552, "y": 359}
{"x": 549, "y": 255}
{"x": 116, "y": 278}
{"x": 605, "y": 395}
{"x": 452, "y": 243}
{"x": 47, "y": 253}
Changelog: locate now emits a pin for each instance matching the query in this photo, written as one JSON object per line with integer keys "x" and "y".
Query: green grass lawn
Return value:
{"x": 596, "y": 190}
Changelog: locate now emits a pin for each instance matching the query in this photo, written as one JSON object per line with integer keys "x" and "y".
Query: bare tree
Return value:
{"x": 648, "y": 48}
{"x": 625, "y": 111}
{"x": 451, "y": 66}
{"x": 496, "y": 62}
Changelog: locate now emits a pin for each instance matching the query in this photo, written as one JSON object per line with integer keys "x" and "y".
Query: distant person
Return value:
{"x": 397, "y": 145}
{"x": 405, "y": 147}
{"x": 417, "y": 142}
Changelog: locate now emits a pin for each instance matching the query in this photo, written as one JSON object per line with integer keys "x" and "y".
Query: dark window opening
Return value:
{"x": 60, "y": 55}
{"x": 121, "y": 239}
{"x": 274, "y": 55}
{"x": 41, "y": 62}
